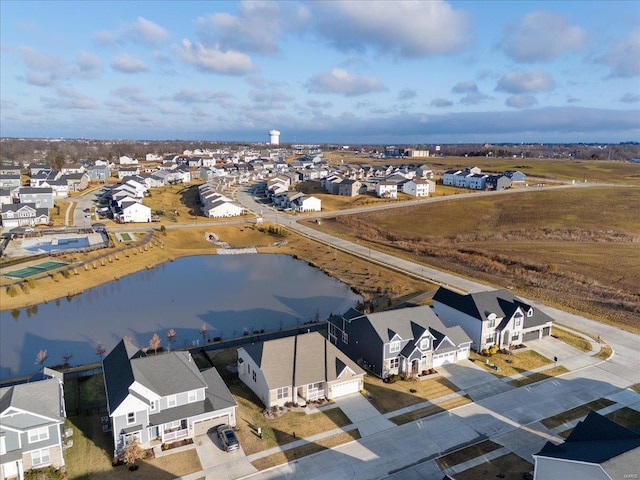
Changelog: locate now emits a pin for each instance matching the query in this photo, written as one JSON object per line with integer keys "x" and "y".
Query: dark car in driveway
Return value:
{"x": 228, "y": 438}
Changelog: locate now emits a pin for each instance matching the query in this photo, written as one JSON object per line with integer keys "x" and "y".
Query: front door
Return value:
{"x": 415, "y": 365}
{"x": 506, "y": 340}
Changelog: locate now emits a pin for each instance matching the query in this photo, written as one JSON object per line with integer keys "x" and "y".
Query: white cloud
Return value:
{"x": 521, "y": 101}
{"x": 148, "y": 32}
{"x": 269, "y": 99}
{"x": 630, "y": 98}
{"x": 69, "y": 99}
{"x": 127, "y": 63}
{"x": 519, "y": 81}
{"x": 624, "y": 56}
{"x": 401, "y": 28}
{"x": 40, "y": 79}
{"x": 132, "y": 94}
{"x": 542, "y": 35}
{"x": 441, "y": 103}
{"x": 407, "y": 94}
{"x": 88, "y": 62}
{"x": 342, "y": 82}
{"x": 465, "y": 87}
{"x": 187, "y": 95}
{"x": 473, "y": 96}
{"x": 212, "y": 59}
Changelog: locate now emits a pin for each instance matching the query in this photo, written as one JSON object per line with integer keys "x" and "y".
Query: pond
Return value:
{"x": 228, "y": 294}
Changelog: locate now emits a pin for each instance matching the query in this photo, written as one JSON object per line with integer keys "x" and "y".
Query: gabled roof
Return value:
{"x": 299, "y": 360}
{"x": 598, "y": 440}
{"x": 164, "y": 374}
{"x": 480, "y": 305}
{"x": 40, "y": 397}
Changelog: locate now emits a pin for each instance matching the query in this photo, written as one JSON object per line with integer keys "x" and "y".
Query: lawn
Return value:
{"x": 278, "y": 431}
{"x": 304, "y": 450}
{"x": 538, "y": 376}
{"x": 431, "y": 410}
{"x": 388, "y": 397}
{"x": 508, "y": 467}
{"x": 572, "y": 339}
{"x": 466, "y": 454}
{"x": 509, "y": 365}
{"x": 574, "y": 413}
{"x": 627, "y": 417}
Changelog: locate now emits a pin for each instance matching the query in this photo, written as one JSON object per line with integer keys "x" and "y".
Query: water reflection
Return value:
{"x": 229, "y": 294}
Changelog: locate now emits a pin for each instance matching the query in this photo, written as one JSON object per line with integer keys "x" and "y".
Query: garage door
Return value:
{"x": 201, "y": 427}
{"x": 531, "y": 335}
{"x": 444, "y": 358}
{"x": 546, "y": 331}
{"x": 345, "y": 388}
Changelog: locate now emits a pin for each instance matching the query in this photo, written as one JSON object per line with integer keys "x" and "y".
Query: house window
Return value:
{"x": 192, "y": 396}
{"x": 491, "y": 323}
{"x": 516, "y": 335}
{"x": 518, "y": 321}
{"x": 153, "y": 405}
{"x": 394, "y": 346}
{"x": 131, "y": 418}
{"x": 283, "y": 392}
{"x": 489, "y": 339}
{"x": 345, "y": 337}
{"x": 40, "y": 458}
{"x": 530, "y": 312}
{"x": 394, "y": 362}
{"x": 38, "y": 434}
{"x": 424, "y": 344}
{"x": 171, "y": 401}
{"x": 315, "y": 386}
{"x": 254, "y": 376}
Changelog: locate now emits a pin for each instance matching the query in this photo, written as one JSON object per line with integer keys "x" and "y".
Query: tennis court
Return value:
{"x": 125, "y": 237}
{"x": 35, "y": 269}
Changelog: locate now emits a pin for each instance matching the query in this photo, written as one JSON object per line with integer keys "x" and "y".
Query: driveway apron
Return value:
{"x": 363, "y": 415}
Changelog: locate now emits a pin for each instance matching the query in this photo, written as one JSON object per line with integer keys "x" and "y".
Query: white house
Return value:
{"x": 125, "y": 160}
{"x": 222, "y": 209}
{"x": 133, "y": 212}
{"x": 419, "y": 187}
{"x": 298, "y": 369}
{"x": 308, "y": 203}
{"x": 387, "y": 189}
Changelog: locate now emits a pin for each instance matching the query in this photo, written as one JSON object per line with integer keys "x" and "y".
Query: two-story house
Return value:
{"x": 32, "y": 425}
{"x": 387, "y": 189}
{"x": 162, "y": 398}
{"x": 23, "y": 215}
{"x": 492, "y": 317}
{"x": 40, "y": 197}
{"x": 406, "y": 340}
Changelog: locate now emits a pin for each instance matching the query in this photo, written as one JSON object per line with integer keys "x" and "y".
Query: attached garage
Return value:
{"x": 444, "y": 358}
{"x": 345, "y": 388}
{"x": 546, "y": 331}
{"x": 533, "y": 335}
{"x": 201, "y": 427}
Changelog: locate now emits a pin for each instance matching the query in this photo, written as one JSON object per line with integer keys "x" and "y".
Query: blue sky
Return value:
{"x": 325, "y": 71}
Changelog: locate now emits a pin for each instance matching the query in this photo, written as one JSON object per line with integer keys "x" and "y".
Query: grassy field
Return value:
{"x": 552, "y": 245}
{"x": 507, "y": 467}
{"x": 510, "y": 365}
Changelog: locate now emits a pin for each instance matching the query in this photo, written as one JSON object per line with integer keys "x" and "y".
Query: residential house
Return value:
{"x": 24, "y": 215}
{"x": 597, "y": 448}
{"x": 36, "y": 168}
{"x": 75, "y": 168}
{"x": 424, "y": 171}
{"x": 10, "y": 170}
{"x": 387, "y": 189}
{"x": 419, "y": 187}
{"x": 124, "y": 172}
{"x": 162, "y": 398}
{"x": 307, "y": 203}
{"x": 477, "y": 181}
{"x": 407, "y": 340}
{"x": 60, "y": 187}
{"x": 40, "y": 197}
{"x": 498, "y": 182}
{"x": 98, "y": 173}
{"x": 516, "y": 176}
{"x": 32, "y": 425}
{"x": 492, "y": 317}
{"x": 298, "y": 369}
{"x": 10, "y": 180}
{"x": 126, "y": 160}
{"x": 449, "y": 177}
{"x": 133, "y": 212}
{"x": 331, "y": 183}
{"x": 222, "y": 209}
{"x": 5, "y": 196}
{"x": 77, "y": 181}
{"x": 349, "y": 188}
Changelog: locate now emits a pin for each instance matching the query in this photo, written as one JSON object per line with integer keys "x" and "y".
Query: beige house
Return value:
{"x": 298, "y": 369}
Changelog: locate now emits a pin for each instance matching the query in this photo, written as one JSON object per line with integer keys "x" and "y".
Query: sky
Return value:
{"x": 328, "y": 71}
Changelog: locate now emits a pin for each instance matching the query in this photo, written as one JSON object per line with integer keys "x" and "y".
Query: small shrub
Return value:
{"x": 31, "y": 283}
{"x": 47, "y": 473}
{"x": 12, "y": 290}
{"x": 66, "y": 273}
{"x": 493, "y": 349}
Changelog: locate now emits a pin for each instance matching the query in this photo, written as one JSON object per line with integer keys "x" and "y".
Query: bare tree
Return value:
{"x": 132, "y": 452}
{"x": 171, "y": 338}
{"x": 127, "y": 338}
{"x": 154, "y": 343}
{"x": 66, "y": 357}
{"x": 203, "y": 332}
{"x": 41, "y": 357}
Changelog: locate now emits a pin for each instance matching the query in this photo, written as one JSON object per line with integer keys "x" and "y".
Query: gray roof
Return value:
{"x": 599, "y": 440}
{"x": 41, "y": 397}
{"x": 480, "y": 304}
{"x": 299, "y": 360}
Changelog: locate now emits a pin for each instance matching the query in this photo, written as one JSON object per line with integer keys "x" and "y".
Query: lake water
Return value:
{"x": 230, "y": 294}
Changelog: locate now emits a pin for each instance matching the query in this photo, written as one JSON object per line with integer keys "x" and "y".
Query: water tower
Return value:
{"x": 274, "y": 137}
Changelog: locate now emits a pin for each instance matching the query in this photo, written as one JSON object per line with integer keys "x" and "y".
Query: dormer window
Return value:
{"x": 394, "y": 346}
{"x": 530, "y": 312}
{"x": 424, "y": 344}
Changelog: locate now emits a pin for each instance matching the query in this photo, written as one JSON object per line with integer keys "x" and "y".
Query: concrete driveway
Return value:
{"x": 218, "y": 464}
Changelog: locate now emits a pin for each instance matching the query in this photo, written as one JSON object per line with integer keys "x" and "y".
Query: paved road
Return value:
{"x": 509, "y": 417}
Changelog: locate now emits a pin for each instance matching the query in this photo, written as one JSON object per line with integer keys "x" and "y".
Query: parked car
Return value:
{"x": 87, "y": 210}
{"x": 228, "y": 438}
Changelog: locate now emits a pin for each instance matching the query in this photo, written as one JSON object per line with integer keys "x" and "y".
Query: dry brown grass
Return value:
{"x": 519, "y": 362}
{"x": 387, "y": 397}
{"x": 547, "y": 244}
{"x": 431, "y": 410}
{"x": 538, "y": 376}
{"x": 305, "y": 450}
{"x": 509, "y": 467}
{"x": 577, "y": 412}
{"x": 625, "y": 416}
{"x": 466, "y": 454}
{"x": 569, "y": 338}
